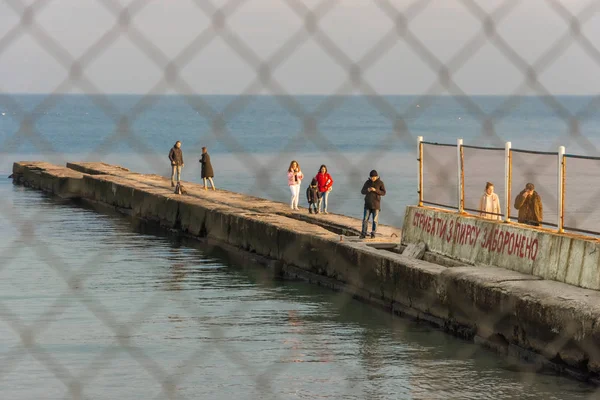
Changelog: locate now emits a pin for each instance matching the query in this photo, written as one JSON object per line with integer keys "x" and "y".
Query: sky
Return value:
{"x": 179, "y": 36}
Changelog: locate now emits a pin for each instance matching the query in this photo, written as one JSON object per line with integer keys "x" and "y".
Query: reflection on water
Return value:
{"x": 161, "y": 317}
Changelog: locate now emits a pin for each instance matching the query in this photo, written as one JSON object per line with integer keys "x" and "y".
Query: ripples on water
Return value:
{"x": 152, "y": 317}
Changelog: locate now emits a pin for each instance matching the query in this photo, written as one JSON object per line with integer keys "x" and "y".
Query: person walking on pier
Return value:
{"x": 529, "y": 204}
{"x": 295, "y": 177}
{"x": 373, "y": 189}
{"x": 207, "y": 169}
{"x": 176, "y": 157}
{"x": 312, "y": 195}
{"x": 325, "y": 182}
{"x": 490, "y": 203}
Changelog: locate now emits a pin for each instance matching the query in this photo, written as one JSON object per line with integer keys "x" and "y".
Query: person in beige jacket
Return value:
{"x": 490, "y": 204}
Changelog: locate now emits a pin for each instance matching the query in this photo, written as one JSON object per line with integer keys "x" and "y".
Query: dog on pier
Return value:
{"x": 179, "y": 189}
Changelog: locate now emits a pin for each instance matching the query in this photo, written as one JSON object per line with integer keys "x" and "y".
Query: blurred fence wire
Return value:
{"x": 441, "y": 162}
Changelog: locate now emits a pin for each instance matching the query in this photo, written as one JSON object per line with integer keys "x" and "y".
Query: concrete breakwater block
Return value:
{"x": 415, "y": 250}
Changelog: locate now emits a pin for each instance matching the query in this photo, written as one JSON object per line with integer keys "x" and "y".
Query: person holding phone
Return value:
{"x": 295, "y": 177}
{"x": 373, "y": 189}
{"x": 529, "y": 204}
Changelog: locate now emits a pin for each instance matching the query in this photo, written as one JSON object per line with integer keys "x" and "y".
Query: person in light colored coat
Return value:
{"x": 490, "y": 204}
{"x": 295, "y": 176}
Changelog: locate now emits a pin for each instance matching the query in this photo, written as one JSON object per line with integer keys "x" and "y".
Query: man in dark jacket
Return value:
{"x": 529, "y": 204}
{"x": 373, "y": 189}
{"x": 176, "y": 157}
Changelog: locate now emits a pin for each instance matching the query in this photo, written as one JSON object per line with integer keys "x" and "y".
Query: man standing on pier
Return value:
{"x": 176, "y": 157}
{"x": 529, "y": 204}
{"x": 373, "y": 189}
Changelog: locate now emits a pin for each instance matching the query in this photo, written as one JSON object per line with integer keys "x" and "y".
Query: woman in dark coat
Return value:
{"x": 207, "y": 169}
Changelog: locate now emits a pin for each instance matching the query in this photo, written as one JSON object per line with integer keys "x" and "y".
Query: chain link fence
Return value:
{"x": 216, "y": 21}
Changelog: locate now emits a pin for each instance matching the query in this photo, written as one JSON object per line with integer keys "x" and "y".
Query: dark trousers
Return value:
{"x": 532, "y": 223}
{"x": 367, "y": 215}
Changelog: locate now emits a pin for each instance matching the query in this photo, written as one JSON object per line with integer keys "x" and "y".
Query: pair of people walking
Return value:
{"x": 317, "y": 193}
{"x": 176, "y": 158}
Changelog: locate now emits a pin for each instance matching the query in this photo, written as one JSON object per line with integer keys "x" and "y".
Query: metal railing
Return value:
{"x": 581, "y": 173}
{"x": 437, "y": 189}
{"x": 472, "y": 158}
{"x": 548, "y": 171}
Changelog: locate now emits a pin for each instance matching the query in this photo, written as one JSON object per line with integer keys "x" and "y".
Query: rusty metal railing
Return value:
{"x": 572, "y": 214}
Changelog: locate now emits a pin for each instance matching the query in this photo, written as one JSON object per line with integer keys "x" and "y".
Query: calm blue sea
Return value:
{"x": 253, "y": 139}
{"x": 112, "y": 310}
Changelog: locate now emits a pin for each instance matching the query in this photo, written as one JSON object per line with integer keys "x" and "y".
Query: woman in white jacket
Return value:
{"x": 490, "y": 203}
{"x": 295, "y": 177}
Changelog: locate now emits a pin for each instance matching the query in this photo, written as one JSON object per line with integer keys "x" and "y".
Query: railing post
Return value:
{"x": 420, "y": 172}
{"x": 561, "y": 189}
{"x": 507, "y": 180}
{"x": 461, "y": 176}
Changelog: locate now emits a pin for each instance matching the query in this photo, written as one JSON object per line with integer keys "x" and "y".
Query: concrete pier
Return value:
{"x": 551, "y": 323}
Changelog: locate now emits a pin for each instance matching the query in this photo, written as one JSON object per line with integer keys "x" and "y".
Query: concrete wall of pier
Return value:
{"x": 560, "y": 257}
